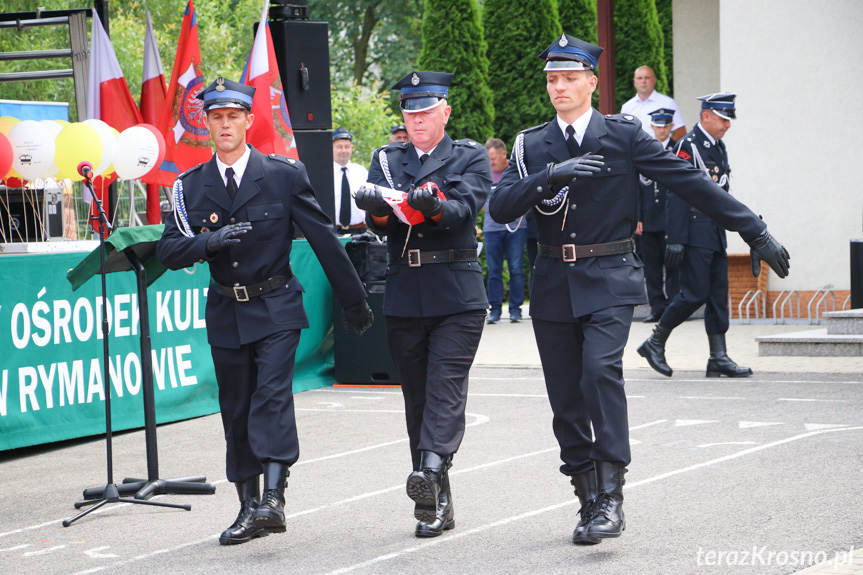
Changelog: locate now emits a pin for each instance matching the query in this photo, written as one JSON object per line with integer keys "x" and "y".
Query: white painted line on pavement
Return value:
{"x": 686, "y": 422}
{"x": 643, "y": 425}
{"x": 750, "y": 424}
{"x": 43, "y": 551}
{"x": 707, "y": 397}
{"x": 487, "y": 526}
{"x": 812, "y": 400}
{"x": 15, "y": 548}
{"x": 728, "y": 443}
{"x": 817, "y": 426}
{"x": 704, "y": 380}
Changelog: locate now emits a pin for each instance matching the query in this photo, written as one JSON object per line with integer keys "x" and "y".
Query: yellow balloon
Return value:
{"x": 9, "y": 120}
{"x": 77, "y": 143}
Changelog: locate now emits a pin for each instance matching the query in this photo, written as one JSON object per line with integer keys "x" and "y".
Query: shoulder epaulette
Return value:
{"x": 190, "y": 170}
{"x": 466, "y": 142}
{"x": 535, "y": 128}
{"x": 283, "y": 159}
{"x": 628, "y": 118}
{"x": 396, "y": 144}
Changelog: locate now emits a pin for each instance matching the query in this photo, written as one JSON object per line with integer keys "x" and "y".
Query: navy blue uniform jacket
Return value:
{"x": 601, "y": 208}
{"x": 274, "y": 194}
{"x": 462, "y": 171}
{"x": 685, "y": 225}
{"x": 652, "y": 203}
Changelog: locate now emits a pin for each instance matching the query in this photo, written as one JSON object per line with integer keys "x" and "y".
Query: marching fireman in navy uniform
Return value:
{"x": 580, "y": 173}
{"x": 661, "y": 283}
{"x": 696, "y": 246}
{"x": 434, "y": 301}
{"x": 237, "y": 212}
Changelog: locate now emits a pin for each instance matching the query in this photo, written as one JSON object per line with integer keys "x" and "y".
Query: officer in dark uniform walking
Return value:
{"x": 661, "y": 283}
{"x": 696, "y": 246}
{"x": 434, "y": 301}
{"x": 237, "y": 212}
{"x": 579, "y": 172}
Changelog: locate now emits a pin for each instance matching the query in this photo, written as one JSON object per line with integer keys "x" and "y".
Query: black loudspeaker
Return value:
{"x": 316, "y": 152}
{"x": 364, "y": 359}
{"x": 30, "y": 215}
{"x": 302, "y": 51}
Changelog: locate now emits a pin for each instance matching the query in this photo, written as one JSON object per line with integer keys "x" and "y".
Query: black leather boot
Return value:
{"x": 585, "y": 489}
{"x": 653, "y": 349}
{"x": 607, "y": 520}
{"x": 242, "y": 530}
{"x": 719, "y": 363}
{"x": 270, "y": 514}
{"x": 445, "y": 514}
{"x": 424, "y": 485}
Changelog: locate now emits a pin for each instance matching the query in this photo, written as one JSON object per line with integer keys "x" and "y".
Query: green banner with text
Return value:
{"x": 51, "y": 347}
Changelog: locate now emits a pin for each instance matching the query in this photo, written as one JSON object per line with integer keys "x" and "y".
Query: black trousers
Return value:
{"x": 257, "y": 402}
{"x": 661, "y": 284}
{"x": 583, "y": 366}
{"x": 703, "y": 280}
{"x": 433, "y": 356}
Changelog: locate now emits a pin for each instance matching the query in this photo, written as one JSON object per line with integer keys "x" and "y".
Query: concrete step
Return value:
{"x": 812, "y": 343}
{"x": 849, "y": 322}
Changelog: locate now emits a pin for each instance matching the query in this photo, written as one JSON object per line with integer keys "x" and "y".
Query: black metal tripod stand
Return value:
{"x": 110, "y": 493}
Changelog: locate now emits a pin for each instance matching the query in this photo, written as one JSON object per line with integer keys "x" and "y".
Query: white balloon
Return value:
{"x": 54, "y": 128}
{"x": 32, "y": 149}
{"x": 109, "y": 144}
{"x": 137, "y": 152}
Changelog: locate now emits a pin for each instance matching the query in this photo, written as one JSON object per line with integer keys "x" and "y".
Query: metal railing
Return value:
{"x": 787, "y": 295}
{"x": 748, "y": 299}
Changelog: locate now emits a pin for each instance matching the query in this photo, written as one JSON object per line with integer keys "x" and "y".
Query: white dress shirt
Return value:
{"x": 239, "y": 167}
{"x": 580, "y": 125}
{"x": 641, "y": 109}
{"x": 357, "y": 176}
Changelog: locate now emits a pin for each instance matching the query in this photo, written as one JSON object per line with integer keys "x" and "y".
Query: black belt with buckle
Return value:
{"x": 572, "y": 252}
{"x": 416, "y": 258}
{"x": 360, "y": 226}
{"x": 245, "y": 293}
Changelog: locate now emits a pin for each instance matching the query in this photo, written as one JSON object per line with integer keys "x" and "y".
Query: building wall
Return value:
{"x": 795, "y": 147}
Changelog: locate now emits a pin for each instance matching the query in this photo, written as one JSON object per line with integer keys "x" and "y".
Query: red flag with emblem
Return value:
{"x": 271, "y": 132}
{"x": 183, "y": 122}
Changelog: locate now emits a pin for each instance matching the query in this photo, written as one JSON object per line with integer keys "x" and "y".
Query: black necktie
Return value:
{"x": 345, "y": 209}
{"x": 571, "y": 142}
{"x": 423, "y": 158}
{"x": 231, "y": 184}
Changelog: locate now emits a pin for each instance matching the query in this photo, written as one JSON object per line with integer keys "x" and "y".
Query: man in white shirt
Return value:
{"x": 647, "y": 99}
{"x": 347, "y": 178}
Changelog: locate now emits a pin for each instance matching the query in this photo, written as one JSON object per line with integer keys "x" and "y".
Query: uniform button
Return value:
{"x": 235, "y": 264}
{"x": 200, "y": 261}
{"x": 572, "y": 265}
{"x": 236, "y": 284}
{"x": 204, "y": 221}
{"x": 624, "y": 259}
{"x": 572, "y": 207}
{"x": 539, "y": 189}
{"x": 233, "y": 220}
{"x": 419, "y": 235}
{"x": 266, "y": 214}
{"x": 607, "y": 169}
{"x": 572, "y": 235}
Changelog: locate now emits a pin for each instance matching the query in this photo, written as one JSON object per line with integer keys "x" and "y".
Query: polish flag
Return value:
{"x": 152, "y": 101}
{"x": 271, "y": 132}
{"x": 182, "y": 121}
{"x": 108, "y": 96}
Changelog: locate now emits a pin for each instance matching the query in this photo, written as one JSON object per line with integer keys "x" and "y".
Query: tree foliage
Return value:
{"x": 638, "y": 41}
{"x": 453, "y": 42}
{"x": 663, "y": 8}
{"x": 516, "y": 33}
{"x": 578, "y": 18}
{"x": 371, "y": 40}
{"x": 365, "y": 112}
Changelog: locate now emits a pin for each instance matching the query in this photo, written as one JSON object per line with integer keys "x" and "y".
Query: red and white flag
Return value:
{"x": 271, "y": 132}
{"x": 108, "y": 96}
{"x": 182, "y": 121}
{"x": 153, "y": 92}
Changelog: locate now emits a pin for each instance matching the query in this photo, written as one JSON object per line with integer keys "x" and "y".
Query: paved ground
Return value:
{"x": 760, "y": 475}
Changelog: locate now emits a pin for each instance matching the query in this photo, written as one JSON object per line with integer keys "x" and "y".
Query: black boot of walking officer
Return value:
{"x": 586, "y": 490}
{"x": 719, "y": 363}
{"x": 429, "y": 488}
{"x": 270, "y": 514}
{"x": 653, "y": 349}
{"x": 607, "y": 519}
{"x": 243, "y": 529}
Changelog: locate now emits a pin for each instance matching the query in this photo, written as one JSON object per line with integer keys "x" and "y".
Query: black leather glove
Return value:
{"x": 358, "y": 316}
{"x": 370, "y": 199}
{"x": 580, "y": 167}
{"x": 673, "y": 256}
{"x": 425, "y": 199}
{"x": 765, "y": 247}
{"x": 227, "y": 236}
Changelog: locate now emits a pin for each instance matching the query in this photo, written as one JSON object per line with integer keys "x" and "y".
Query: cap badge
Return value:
{"x": 563, "y": 41}
{"x": 214, "y": 218}
{"x": 415, "y": 80}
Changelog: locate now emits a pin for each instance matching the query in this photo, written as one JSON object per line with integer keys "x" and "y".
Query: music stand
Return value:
{"x": 134, "y": 249}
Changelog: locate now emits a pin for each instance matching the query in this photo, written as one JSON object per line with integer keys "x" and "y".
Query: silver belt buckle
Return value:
{"x": 414, "y": 258}
{"x": 240, "y": 293}
{"x": 568, "y": 252}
